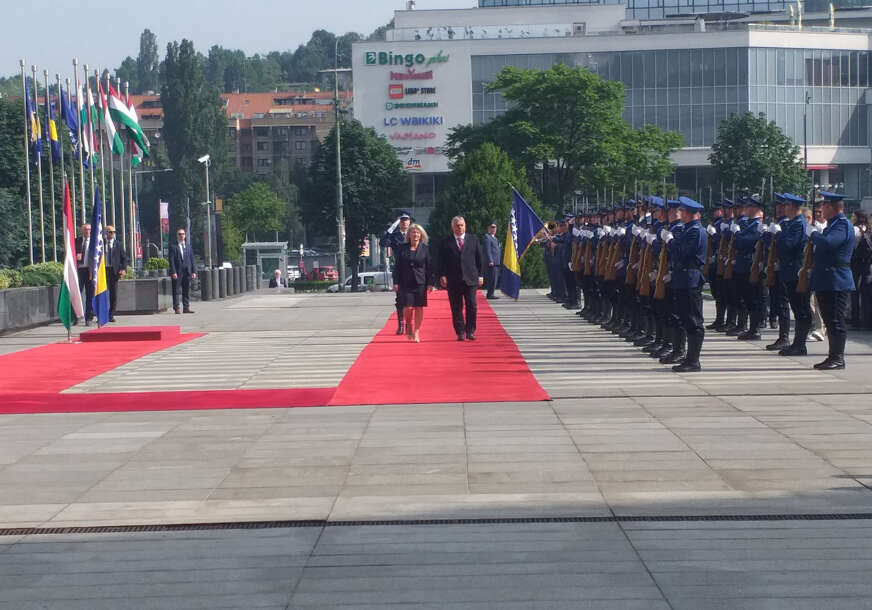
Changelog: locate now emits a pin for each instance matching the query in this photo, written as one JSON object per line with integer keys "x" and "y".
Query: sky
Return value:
{"x": 255, "y": 26}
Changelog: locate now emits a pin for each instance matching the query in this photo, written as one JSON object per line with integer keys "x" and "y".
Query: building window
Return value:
{"x": 263, "y": 146}
{"x": 299, "y": 145}
{"x": 264, "y": 162}
{"x": 301, "y": 131}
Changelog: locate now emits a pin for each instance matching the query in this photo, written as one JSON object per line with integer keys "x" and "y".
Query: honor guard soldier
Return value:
{"x": 674, "y": 327}
{"x": 687, "y": 256}
{"x": 715, "y": 231}
{"x": 791, "y": 243}
{"x": 779, "y": 309}
{"x": 831, "y": 277}
{"x": 737, "y": 319}
{"x": 564, "y": 258}
{"x": 662, "y": 340}
{"x": 748, "y": 248}
{"x": 393, "y": 238}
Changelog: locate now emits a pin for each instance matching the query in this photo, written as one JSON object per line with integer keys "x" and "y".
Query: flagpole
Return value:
{"x": 27, "y": 163}
{"x": 101, "y": 126}
{"x": 90, "y": 136}
{"x": 79, "y": 130}
{"x": 111, "y": 156}
{"x": 54, "y": 221}
{"x": 130, "y": 201}
{"x": 121, "y": 185}
{"x": 39, "y": 167}
{"x": 64, "y": 177}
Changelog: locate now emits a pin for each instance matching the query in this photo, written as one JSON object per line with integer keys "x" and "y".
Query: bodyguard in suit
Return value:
{"x": 83, "y": 268}
{"x": 461, "y": 265}
{"x": 116, "y": 267}
{"x": 831, "y": 277}
{"x": 182, "y": 271}
{"x": 393, "y": 238}
{"x": 687, "y": 250}
{"x": 492, "y": 260}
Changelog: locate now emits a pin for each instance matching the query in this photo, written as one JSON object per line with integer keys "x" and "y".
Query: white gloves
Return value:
{"x": 576, "y": 232}
{"x": 820, "y": 225}
{"x": 607, "y": 230}
{"x": 394, "y": 226}
{"x": 600, "y": 232}
{"x": 713, "y": 260}
{"x": 665, "y": 235}
{"x": 588, "y": 234}
{"x": 761, "y": 228}
{"x": 622, "y": 231}
{"x": 668, "y": 277}
{"x": 775, "y": 228}
{"x": 619, "y": 265}
{"x": 857, "y": 232}
{"x": 636, "y": 230}
{"x": 811, "y": 229}
{"x": 650, "y": 237}
{"x": 668, "y": 238}
{"x": 652, "y": 276}
{"x": 711, "y": 230}
{"x": 734, "y": 227}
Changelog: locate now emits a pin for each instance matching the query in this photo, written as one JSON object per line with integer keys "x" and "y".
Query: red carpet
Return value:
{"x": 56, "y": 367}
{"x": 440, "y": 369}
{"x": 390, "y": 370}
{"x": 22, "y": 402}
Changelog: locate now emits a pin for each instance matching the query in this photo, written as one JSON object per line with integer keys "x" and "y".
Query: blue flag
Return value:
{"x": 33, "y": 121}
{"x": 523, "y": 228}
{"x": 100, "y": 302}
{"x": 51, "y": 130}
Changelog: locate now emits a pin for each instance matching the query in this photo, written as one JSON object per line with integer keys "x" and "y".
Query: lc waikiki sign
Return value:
{"x": 408, "y": 60}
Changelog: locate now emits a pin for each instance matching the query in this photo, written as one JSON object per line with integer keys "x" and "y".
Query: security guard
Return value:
{"x": 790, "y": 244}
{"x": 393, "y": 238}
{"x": 687, "y": 255}
{"x": 831, "y": 277}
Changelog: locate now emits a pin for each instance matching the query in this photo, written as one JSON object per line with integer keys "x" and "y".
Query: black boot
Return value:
{"x": 678, "y": 352}
{"x": 720, "y": 310}
{"x": 730, "y": 322}
{"x": 690, "y": 364}
{"x": 400, "y": 327}
{"x": 783, "y": 339}
{"x": 798, "y": 347}
{"x": 836, "y": 359}
{"x": 658, "y": 342}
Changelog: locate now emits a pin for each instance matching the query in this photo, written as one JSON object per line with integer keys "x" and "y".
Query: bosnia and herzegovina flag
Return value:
{"x": 523, "y": 228}
{"x": 51, "y": 130}
{"x": 100, "y": 302}
{"x": 70, "y": 305}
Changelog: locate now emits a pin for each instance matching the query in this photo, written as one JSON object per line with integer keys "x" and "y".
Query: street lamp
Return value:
{"x": 805, "y": 130}
{"x": 205, "y": 160}
{"x": 340, "y": 209}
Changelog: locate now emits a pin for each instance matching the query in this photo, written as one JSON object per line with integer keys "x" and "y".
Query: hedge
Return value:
{"x": 42, "y": 274}
{"x": 10, "y": 278}
{"x": 311, "y": 285}
{"x": 157, "y": 263}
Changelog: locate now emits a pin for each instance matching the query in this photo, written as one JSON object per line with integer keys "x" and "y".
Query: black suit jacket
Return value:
{"x": 116, "y": 257}
{"x": 179, "y": 266}
{"x": 464, "y": 266}
{"x": 85, "y": 261}
{"x": 412, "y": 269}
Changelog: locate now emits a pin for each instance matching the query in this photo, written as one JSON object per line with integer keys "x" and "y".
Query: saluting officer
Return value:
{"x": 687, "y": 250}
{"x": 831, "y": 277}
{"x": 394, "y": 237}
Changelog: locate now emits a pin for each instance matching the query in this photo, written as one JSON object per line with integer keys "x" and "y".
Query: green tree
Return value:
{"x": 128, "y": 72}
{"x": 148, "y": 63}
{"x": 255, "y": 210}
{"x": 373, "y": 186}
{"x": 13, "y": 207}
{"x": 195, "y": 124}
{"x": 750, "y": 150}
{"x": 480, "y": 190}
{"x": 646, "y": 158}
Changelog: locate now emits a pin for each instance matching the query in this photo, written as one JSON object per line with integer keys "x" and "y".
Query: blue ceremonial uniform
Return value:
{"x": 746, "y": 243}
{"x": 790, "y": 246}
{"x": 687, "y": 256}
{"x": 832, "y": 256}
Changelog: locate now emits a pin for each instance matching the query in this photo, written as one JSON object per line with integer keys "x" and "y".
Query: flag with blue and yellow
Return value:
{"x": 51, "y": 130}
{"x": 100, "y": 302}
{"x": 33, "y": 121}
{"x": 524, "y": 226}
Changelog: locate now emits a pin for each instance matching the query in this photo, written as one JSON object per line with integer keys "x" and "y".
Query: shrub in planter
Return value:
{"x": 311, "y": 285}
{"x": 10, "y": 278}
{"x": 131, "y": 274}
{"x": 42, "y": 274}
{"x": 155, "y": 264}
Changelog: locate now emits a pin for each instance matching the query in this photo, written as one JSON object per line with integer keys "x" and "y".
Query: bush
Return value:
{"x": 42, "y": 274}
{"x": 157, "y": 263}
{"x": 10, "y": 278}
{"x": 311, "y": 285}
{"x": 131, "y": 274}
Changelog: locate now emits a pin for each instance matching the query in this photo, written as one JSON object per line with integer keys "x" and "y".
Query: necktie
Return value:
{"x": 460, "y": 243}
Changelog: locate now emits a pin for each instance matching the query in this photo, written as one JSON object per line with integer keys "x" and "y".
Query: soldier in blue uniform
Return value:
{"x": 831, "y": 277}
{"x": 790, "y": 242}
{"x": 714, "y": 232}
{"x": 751, "y": 292}
{"x": 779, "y": 309}
{"x": 564, "y": 257}
{"x": 662, "y": 340}
{"x": 687, "y": 250}
{"x": 737, "y": 313}
{"x": 393, "y": 238}
{"x": 673, "y": 323}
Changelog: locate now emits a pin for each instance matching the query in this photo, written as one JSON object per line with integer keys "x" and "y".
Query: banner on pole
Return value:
{"x": 164, "y": 228}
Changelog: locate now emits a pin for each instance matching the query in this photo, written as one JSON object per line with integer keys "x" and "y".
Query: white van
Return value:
{"x": 374, "y": 281}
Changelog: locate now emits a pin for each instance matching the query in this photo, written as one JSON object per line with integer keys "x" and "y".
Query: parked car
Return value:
{"x": 375, "y": 281}
{"x": 293, "y": 273}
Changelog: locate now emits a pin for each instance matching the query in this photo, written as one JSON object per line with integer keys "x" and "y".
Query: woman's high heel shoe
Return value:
{"x": 417, "y": 338}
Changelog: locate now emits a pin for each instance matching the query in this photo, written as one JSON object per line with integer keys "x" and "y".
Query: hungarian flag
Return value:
{"x": 70, "y": 305}
{"x": 89, "y": 140}
{"x": 115, "y": 143}
{"x": 126, "y": 118}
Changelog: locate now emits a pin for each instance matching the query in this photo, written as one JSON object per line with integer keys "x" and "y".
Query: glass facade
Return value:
{"x": 692, "y": 90}
{"x": 658, "y": 9}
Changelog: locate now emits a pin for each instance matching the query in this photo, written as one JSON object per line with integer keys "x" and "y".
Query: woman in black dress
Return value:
{"x": 413, "y": 276}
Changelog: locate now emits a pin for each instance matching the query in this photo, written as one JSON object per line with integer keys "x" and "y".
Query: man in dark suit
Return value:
{"x": 461, "y": 266}
{"x": 492, "y": 258}
{"x": 116, "y": 267}
{"x": 182, "y": 270}
{"x": 83, "y": 268}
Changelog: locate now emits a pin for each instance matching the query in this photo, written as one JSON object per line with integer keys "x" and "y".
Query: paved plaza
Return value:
{"x": 748, "y": 485}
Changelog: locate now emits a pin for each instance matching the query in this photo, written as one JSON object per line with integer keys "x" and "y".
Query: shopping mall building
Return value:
{"x": 686, "y": 65}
